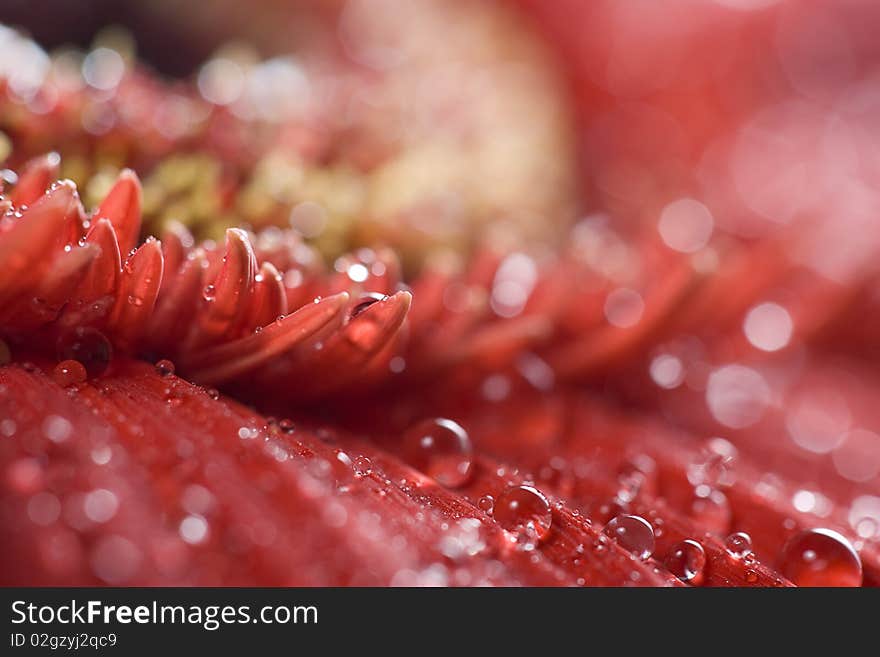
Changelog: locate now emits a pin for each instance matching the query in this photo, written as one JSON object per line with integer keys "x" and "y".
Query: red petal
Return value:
{"x": 122, "y": 206}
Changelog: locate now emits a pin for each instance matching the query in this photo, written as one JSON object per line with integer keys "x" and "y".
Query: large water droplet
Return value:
{"x": 821, "y": 557}
{"x": 88, "y": 346}
{"x": 739, "y": 544}
{"x": 441, "y": 449}
{"x": 524, "y": 511}
{"x": 633, "y": 533}
{"x": 69, "y": 373}
{"x": 686, "y": 561}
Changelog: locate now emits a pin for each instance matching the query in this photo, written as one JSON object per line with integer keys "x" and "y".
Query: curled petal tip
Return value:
{"x": 36, "y": 177}
{"x": 138, "y": 288}
{"x": 232, "y": 291}
{"x": 122, "y": 206}
{"x": 216, "y": 365}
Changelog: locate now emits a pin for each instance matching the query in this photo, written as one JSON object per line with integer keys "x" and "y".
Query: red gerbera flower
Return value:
{"x": 246, "y": 411}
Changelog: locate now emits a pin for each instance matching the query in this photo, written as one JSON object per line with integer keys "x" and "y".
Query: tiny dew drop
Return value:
{"x": 821, "y": 557}
{"x": 286, "y": 425}
{"x": 88, "y": 346}
{"x": 209, "y": 292}
{"x": 441, "y": 449}
{"x": 739, "y": 545}
{"x": 633, "y": 533}
{"x": 69, "y": 372}
{"x": 687, "y": 560}
{"x": 486, "y": 503}
{"x": 525, "y": 512}
{"x": 165, "y": 367}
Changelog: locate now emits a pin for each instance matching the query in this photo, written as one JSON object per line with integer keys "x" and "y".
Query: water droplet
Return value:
{"x": 88, "y": 346}
{"x": 286, "y": 426}
{"x": 821, "y": 557}
{"x": 362, "y": 466}
{"x": 441, "y": 449}
{"x": 486, "y": 503}
{"x": 739, "y": 544}
{"x": 165, "y": 367}
{"x": 365, "y": 302}
{"x": 69, "y": 372}
{"x": 686, "y": 561}
{"x": 633, "y": 533}
{"x": 209, "y": 292}
{"x": 135, "y": 300}
{"x": 524, "y": 511}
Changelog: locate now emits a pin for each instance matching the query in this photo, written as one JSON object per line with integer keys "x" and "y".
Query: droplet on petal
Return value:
{"x": 821, "y": 557}
{"x": 441, "y": 449}
{"x": 88, "y": 346}
{"x": 525, "y": 512}
{"x": 362, "y": 466}
{"x": 365, "y": 302}
{"x": 69, "y": 372}
{"x": 486, "y": 503}
{"x": 633, "y": 533}
{"x": 739, "y": 544}
{"x": 165, "y": 367}
{"x": 686, "y": 561}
